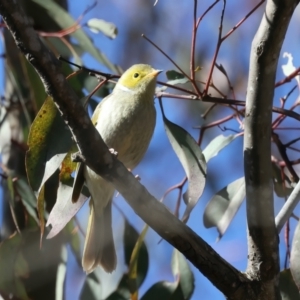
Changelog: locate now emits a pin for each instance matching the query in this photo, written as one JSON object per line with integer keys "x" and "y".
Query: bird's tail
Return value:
{"x": 99, "y": 247}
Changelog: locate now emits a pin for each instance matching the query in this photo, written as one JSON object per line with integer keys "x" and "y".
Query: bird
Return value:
{"x": 125, "y": 120}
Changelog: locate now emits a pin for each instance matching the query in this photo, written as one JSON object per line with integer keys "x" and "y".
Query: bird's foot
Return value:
{"x": 113, "y": 152}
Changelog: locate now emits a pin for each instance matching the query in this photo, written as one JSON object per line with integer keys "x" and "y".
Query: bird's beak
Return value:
{"x": 155, "y": 73}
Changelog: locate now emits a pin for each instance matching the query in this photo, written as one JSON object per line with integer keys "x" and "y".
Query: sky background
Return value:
{"x": 169, "y": 25}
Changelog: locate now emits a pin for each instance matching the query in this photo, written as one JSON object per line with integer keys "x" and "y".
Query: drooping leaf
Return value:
{"x": 61, "y": 275}
{"x": 223, "y": 206}
{"x": 287, "y": 286}
{"x": 72, "y": 233}
{"x": 64, "y": 20}
{"x": 183, "y": 274}
{"x": 221, "y": 68}
{"x": 131, "y": 237}
{"x": 13, "y": 268}
{"x": 192, "y": 160}
{"x": 90, "y": 82}
{"x": 67, "y": 168}
{"x": 122, "y": 292}
{"x": 27, "y": 196}
{"x": 49, "y": 141}
{"x": 216, "y": 145}
{"x": 161, "y": 290}
{"x": 66, "y": 49}
{"x": 34, "y": 83}
{"x": 41, "y": 211}
{"x": 178, "y": 81}
{"x": 133, "y": 264}
{"x": 63, "y": 211}
{"x": 99, "y": 25}
{"x": 282, "y": 188}
{"x": 172, "y": 75}
{"x": 91, "y": 288}
{"x": 295, "y": 256}
{"x": 10, "y": 186}
{"x": 174, "y": 78}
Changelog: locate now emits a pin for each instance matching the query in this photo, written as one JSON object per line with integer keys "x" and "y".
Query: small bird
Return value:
{"x": 125, "y": 119}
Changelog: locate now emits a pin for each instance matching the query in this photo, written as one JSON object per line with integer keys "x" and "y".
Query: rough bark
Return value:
{"x": 263, "y": 256}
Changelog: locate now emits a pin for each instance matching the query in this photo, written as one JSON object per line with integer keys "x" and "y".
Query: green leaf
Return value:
{"x": 27, "y": 196}
{"x": 91, "y": 288}
{"x": 64, "y": 20}
{"x": 295, "y": 256}
{"x": 192, "y": 160}
{"x": 74, "y": 240}
{"x": 173, "y": 75}
{"x": 223, "y": 206}
{"x": 61, "y": 275}
{"x": 49, "y": 141}
{"x": 287, "y": 286}
{"x": 183, "y": 274}
{"x": 34, "y": 83}
{"x": 41, "y": 211}
{"x": 99, "y": 25}
{"x": 10, "y": 186}
{"x": 174, "y": 78}
{"x": 217, "y": 144}
{"x": 67, "y": 168}
{"x": 122, "y": 292}
{"x": 130, "y": 239}
{"x": 13, "y": 268}
{"x": 161, "y": 290}
{"x": 90, "y": 82}
{"x": 282, "y": 188}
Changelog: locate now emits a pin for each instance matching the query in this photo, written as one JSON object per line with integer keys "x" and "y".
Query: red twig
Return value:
{"x": 242, "y": 21}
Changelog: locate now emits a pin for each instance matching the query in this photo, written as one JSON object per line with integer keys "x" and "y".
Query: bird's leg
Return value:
{"x": 113, "y": 152}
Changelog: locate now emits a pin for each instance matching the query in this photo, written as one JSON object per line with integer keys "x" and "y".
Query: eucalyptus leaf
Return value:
{"x": 223, "y": 206}
{"x": 49, "y": 141}
{"x": 61, "y": 275}
{"x": 287, "y": 286}
{"x": 282, "y": 188}
{"x": 74, "y": 240}
{"x": 64, "y": 20}
{"x": 182, "y": 272}
{"x": 122, "y": 292}
{"x": 217, "y": 144}
{"x": 161, "y": 290}
{"x": 192, "y": 160}
{"x": 295, "y": 256}
{"x": 99, "y": 25}
{"x": 13, "y": 268}
{"x": 91, "y": 288}
{"x": 172, "y": 75}
{"x": 63, "y": 210}
{"x": 131, "y": 237}
{"x": 27, "y": 196}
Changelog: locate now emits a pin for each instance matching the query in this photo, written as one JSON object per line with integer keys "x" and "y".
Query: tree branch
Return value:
{"x": 263, "y": 257}
{"x": 288, "y": 208}
{"x": 97, "y": 156}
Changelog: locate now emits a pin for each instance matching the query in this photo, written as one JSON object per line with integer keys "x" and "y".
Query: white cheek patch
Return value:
{"x": 125, "y": 89}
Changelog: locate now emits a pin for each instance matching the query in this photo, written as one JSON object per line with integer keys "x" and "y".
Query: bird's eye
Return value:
{"x": 136, "y": 75}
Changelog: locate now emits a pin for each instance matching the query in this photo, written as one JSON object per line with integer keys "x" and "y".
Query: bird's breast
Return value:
{"x": 127, "y": 127}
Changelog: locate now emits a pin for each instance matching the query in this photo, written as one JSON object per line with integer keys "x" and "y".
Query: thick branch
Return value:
{"x": 263, "y": 262}
{"x": 225, "y": 277}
